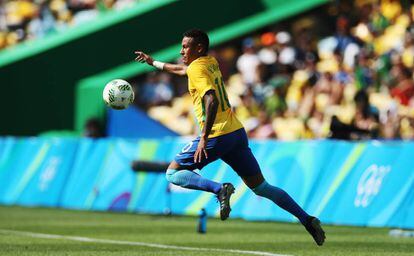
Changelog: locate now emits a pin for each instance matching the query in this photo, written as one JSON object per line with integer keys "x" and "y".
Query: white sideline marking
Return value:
{"x": 108, "y": 241}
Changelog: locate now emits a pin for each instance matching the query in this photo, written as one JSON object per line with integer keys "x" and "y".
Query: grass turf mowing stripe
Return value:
{"x": 109, "y": 241}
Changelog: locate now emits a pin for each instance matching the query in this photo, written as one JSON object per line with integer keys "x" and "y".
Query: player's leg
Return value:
{"x": 260, "y": 187}
{"x": 279, "y": 196}
{"x": 181, "y": 171}
{"x": 245, "y": 164}
{"x": 186, "y": 177}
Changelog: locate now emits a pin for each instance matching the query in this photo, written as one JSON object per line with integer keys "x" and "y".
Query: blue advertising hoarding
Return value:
{"x": 365, "y": 183}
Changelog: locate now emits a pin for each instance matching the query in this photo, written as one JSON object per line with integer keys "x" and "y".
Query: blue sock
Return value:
{"x": 192, "y": 180}
{"x": 282, "y": 199}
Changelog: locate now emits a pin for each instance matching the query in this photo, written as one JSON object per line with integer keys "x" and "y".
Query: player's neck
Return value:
{"x": 202, "y": 56}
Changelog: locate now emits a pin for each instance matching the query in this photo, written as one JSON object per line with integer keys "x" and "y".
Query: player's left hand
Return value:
{"x": 143, "y": 57}
{"x": 201, "y": 151}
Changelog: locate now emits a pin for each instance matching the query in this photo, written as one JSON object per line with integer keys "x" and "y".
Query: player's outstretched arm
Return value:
{"x": 171, "y": 68}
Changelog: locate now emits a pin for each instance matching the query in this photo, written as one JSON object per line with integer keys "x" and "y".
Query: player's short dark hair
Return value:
{"x": 199, "y": 37}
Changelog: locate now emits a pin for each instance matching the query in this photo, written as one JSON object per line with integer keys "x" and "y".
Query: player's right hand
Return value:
{"x": 142, "y": 57}
{"x": 201, "y": 151}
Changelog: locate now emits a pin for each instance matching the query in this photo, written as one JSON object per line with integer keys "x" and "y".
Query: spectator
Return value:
{"x": 275, "y": 104}
{"x": 264, "y": 128}
{"x": 93, "y": 129}
{"x": 404, "y": 91}
{"x": 83, "y": 11}
{"x": 248, "y": 62}
{"x": 366, "y": 116}
{"x": 287, "y": 53}
{"x": 22, "y": 20}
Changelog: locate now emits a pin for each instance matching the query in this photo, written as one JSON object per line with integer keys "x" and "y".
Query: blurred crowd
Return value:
{"x": 22, "y": 20}
{"x": 353, "y": 80}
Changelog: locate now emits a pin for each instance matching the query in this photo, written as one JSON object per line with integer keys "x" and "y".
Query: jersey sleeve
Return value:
{"x": 201, "y": 79}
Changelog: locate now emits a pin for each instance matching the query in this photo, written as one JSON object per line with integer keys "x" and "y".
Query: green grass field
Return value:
{"x": 132, "y": 234}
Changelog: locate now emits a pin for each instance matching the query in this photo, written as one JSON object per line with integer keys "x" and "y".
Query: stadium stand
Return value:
{"x": 22, "y": 20}
{"x": 293, "y": 81}
{"x": 289, "y": 81}
{"x": 59, "y": 67}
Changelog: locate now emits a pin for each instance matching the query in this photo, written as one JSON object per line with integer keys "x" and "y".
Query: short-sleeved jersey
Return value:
{"x": 204, "y": 75}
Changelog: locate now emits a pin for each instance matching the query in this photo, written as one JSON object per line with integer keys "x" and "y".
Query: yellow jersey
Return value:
{"x": 204, "y": 75}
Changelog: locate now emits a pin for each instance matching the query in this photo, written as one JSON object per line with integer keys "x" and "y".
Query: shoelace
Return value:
{"x": 222, "y": 203}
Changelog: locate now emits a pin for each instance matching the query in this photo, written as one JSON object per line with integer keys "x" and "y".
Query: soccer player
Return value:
{"x": 222, "y": 135}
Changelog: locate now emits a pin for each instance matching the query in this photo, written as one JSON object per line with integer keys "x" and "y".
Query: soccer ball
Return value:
{"x": 118, "y": 94}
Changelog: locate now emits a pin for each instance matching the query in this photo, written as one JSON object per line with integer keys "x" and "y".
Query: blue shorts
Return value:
{"x": 232, "y": 148}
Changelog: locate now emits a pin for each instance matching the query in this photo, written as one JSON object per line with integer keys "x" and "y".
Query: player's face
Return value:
{"x": 189, "y": 50}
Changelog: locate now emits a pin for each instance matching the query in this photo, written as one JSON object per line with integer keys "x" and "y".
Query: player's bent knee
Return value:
{"x": 169, "y": 175}
{"x": 260, "y": 190}
{"x": 173, "y": 165}
{"x": 179, "y": 177}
